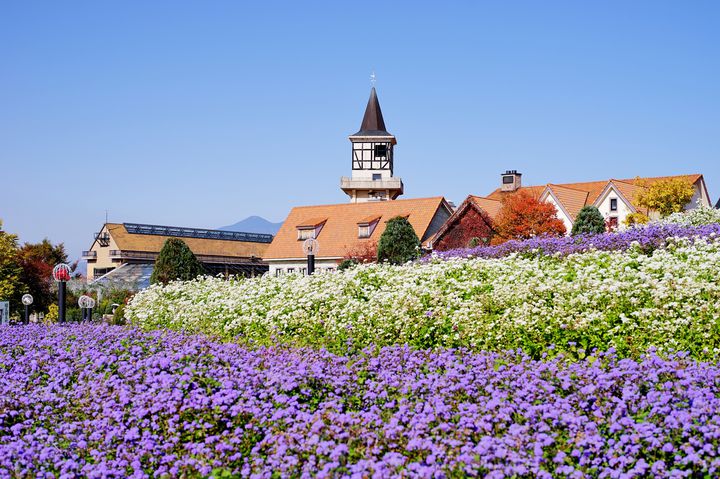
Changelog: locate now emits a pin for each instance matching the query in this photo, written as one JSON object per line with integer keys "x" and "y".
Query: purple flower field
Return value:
{"x": 646, "y": 238}
{"x": 102, "y": 401}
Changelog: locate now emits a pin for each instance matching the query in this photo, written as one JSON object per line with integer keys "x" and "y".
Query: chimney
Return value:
{"x": 511, "y": 180}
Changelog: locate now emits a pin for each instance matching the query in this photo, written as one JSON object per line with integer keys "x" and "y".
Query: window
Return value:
{"x": 364, "y": 231}
{"x": 508, "y": 180}
{"x": 613, "y": 204}
{"x": 380, "y": 151}
{"x": 367, "y": 225}
{"x": 291, "y": 270}
{"x": 303, "y": 271}
{"x": 305, "y": 233}
{"x": 377, "y": 176}
{"x": 278, "y": 272}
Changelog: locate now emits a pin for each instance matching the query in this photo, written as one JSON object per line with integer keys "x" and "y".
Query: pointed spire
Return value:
{"x": 373, "y": 123}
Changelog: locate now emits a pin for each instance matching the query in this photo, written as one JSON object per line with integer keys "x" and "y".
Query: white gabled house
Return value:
{"x": 614, "y": 198}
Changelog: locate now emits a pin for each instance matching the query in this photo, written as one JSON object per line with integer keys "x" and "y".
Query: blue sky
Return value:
{"x": 203, "y": 113}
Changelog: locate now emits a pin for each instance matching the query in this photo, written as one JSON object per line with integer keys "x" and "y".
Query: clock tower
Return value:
{"x": 372, "y": 159}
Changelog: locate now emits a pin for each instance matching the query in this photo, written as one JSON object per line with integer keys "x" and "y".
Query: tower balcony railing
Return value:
{"x": 370, "y": 184}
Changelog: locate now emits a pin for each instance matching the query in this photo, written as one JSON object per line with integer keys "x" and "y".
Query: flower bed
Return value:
{"x": 646, "y": 238}
{"x": 628, "y": 300}
{"x": 96, "y": 401}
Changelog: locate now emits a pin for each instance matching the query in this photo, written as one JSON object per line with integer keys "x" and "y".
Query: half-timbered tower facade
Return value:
{"x": 372, "y": 159}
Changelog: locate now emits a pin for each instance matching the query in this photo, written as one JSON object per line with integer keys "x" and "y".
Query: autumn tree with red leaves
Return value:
{"x": 524, "y": 216}
{"x": 37, "y": 261}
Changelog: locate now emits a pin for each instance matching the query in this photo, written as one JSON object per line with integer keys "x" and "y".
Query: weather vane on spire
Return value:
{"x": 372, "y": 79}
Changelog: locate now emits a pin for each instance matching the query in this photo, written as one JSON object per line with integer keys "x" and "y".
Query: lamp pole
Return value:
{"x": 61, "y": 274}
{"x": 311, "y": 247}
{"x": 83, "y": 304}
{"x": 27, "y": 300}
{"x": 90, "y": 305}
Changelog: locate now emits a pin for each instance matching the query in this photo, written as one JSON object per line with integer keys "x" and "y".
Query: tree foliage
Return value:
{"x": 364, "y": 252}
{"x": 637, "y": 219}
{"x": 10, "y": 271}
{"x": 666, "y": 196}
{"x": 175, "y": 262}
{"x": 398, "y": 243}
{"x": 524, "y": 216}
{"x": 588, "y": 221}
{"x": 37, "y": 261}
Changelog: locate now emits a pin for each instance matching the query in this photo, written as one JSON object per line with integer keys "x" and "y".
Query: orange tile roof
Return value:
{"x": 200, "y": 246}
{"x": 571, "y": 199}
{"x": 567, "y": 193}
{"x": 340, "y": 233}
{"x": 490, "y": 206}
{"x": 370, "y": 219}
{"x": 312, "y": 222}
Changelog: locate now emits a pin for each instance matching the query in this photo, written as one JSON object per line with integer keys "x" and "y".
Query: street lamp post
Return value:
{"x": 27, "y": 300}
{"x": 83, "y": 303}
{"x": 311, "y": 247}
{"x": 61, "y": 274}
{"x": 90, "y": 306}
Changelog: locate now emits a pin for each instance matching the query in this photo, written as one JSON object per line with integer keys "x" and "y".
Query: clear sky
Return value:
{"x": 203, "y": 113}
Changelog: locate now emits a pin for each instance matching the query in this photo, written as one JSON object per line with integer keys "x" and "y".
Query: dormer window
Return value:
{"x": 306, "y": 233}
{"x": 310, "y": 228}
{"x": 366, "y": 226}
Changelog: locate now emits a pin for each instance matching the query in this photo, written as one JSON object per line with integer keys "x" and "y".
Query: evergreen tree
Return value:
{"x": 588, "y": 220}
{"x": 175, "y": 262}
{"x": 398, "y": 243}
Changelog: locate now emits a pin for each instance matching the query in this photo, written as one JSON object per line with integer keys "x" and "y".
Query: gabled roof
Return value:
{"x": 153, "y": 243}
{"x": 339, "y": 235}
{"x": 571, "y": 199}
{"x": 477, "y": 202}
{"x": 373, "y": 123}
{"x": 570, "y": 195}
{"x": 490, "y": 206}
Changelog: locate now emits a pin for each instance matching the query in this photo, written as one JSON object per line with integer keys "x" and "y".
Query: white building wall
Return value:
{"x": 623, "y": 209}
{"x": 280, "y": 267}
{"x": 560, "y": 214}
{"x": 699, "y": 196}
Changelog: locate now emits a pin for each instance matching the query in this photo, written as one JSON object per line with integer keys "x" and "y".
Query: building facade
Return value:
{"x": 615, "y": 199}
{"x": 348, "y": 229}
{"x": 130, "y": 249}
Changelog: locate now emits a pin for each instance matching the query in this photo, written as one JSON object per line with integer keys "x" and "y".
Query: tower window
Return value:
{"x": 508, "y": 180}
{"x": 380, "y": 151}
{"x": 377, "y": 176}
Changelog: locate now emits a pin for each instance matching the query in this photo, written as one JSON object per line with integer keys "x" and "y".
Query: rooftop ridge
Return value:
{"x": 428, "y": 198}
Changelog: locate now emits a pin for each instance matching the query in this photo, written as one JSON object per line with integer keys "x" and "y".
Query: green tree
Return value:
{"x": 398, "y": 243}
{"x": 588, "y": 220}
{"x": 175, "y": 262}
{"x": 666, "y": 196}
{"x": 10, "y": 270}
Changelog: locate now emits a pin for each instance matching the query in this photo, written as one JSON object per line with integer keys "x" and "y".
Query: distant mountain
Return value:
{"x": 254, "y": 224}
